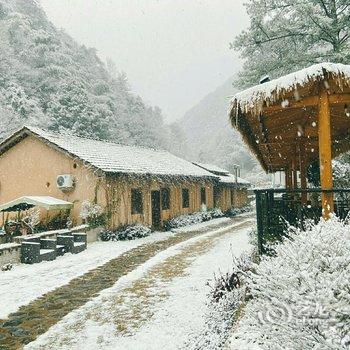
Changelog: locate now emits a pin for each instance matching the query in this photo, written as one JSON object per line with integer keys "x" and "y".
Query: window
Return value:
{"x": 216, "y": 196}
{"x": 165, "y": 193}
{"x": 233, "y": 197}
{"x": 185, "y": 198}
{"x": 203, "y": 196}
{"x": 136, "y": 201}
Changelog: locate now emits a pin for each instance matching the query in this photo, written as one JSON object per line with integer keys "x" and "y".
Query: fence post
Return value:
{"x": 260, "y": 228}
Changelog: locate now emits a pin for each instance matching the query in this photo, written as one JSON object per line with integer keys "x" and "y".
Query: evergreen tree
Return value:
{"x": 48, "y": 80}
{"x": 287, "y": 35}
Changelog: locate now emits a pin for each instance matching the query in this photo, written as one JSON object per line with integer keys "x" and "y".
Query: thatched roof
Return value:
{"x": 276, "y": 117}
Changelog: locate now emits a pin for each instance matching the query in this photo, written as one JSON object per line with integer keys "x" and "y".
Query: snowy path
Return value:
{"x": 36, "y": 280}
{"x": 156, "y": 306}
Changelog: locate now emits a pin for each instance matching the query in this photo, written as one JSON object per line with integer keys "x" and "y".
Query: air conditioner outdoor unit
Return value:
{"x": 65, "y": 181}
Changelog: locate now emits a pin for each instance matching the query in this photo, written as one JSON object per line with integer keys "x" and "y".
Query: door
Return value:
{"x": 155, "y": 201}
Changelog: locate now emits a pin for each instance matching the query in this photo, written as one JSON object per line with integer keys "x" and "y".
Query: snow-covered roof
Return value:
{"x": 212, "y": 168}
{"x": 115, "y": 158}
{"x": 225, "y": 177}
{"x": 271, "y": 90}
{"x": 231, "y": 179}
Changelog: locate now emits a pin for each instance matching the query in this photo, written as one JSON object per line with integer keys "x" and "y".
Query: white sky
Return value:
{"x": 173, "y": 51}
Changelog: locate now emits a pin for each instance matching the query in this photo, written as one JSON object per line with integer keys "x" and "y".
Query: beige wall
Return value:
{"x": 120, "y": 205}
{"x": 232, "y": 198}
{"x": 31, "y": 168}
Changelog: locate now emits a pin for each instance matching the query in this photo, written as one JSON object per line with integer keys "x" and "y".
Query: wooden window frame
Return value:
{"x": 136, "y": 203}
{"x": 203, "y": 196}
{"x": 185, "y": 198}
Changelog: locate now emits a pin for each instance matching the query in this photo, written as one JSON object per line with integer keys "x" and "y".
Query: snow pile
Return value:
{"x": 126, "y": 233}
{"x": 273, "y": 89}
{"x": 301, "y": 297}
{"x": 194, "y": 218}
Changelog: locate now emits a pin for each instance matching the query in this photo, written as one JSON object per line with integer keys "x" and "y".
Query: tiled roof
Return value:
{"x": 212, "y": 168}
{"x": 224, "y": 176}
{"x": 231, "y": 179}
{"x": 116, "y": 158}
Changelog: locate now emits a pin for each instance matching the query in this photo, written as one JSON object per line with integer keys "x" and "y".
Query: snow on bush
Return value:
{"x": 301, "y": 297}
{"x": 92, "y": 213}
{"x": 194, "y": 218}
{"x": 235, "y": 211}
{"x": 220, "y": 318}
{"x": 126, "y": 233}
{"x": 225, "y": 301}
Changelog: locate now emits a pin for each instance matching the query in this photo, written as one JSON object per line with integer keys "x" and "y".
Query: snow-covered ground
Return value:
{"x": 38, "y": 279}
{"x": 162, "y": 302}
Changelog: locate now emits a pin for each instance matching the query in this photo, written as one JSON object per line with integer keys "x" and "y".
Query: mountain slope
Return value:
{"x": 209, "y": 136}
{"x": 49, "y": 80}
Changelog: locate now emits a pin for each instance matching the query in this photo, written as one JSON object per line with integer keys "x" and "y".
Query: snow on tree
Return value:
{"x": 48, "y": 80}
{"x": 301, "y": 297}
{"x": 288, "y": 35}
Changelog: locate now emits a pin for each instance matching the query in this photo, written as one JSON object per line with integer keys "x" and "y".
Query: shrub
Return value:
{"x": 194, "y": 218}
{"x": 126, "y": 233}
{"x": 92, "y": 214}
{"x": 301, "y": 297}
{"x": 235, "y": 211}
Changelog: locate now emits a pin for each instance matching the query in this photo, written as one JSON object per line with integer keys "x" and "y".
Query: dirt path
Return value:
{"x": 37, "y": 317}
{"x": 121, "y": 312}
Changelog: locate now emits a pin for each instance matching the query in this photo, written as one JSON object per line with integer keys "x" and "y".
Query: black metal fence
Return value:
{"x": 278, "y": 208}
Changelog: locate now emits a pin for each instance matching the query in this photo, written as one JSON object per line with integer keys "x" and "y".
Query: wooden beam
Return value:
{"x": 339, "y": 98}
{"x": 310, "y": 101}
{"x": 325, "y": 153}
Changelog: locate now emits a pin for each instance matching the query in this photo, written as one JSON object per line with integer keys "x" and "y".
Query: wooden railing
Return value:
{"x": 278, "y": 208}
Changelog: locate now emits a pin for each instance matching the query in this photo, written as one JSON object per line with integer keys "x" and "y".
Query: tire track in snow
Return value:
{"x": 124, "y": 308}
{"x": 25, "y": 325}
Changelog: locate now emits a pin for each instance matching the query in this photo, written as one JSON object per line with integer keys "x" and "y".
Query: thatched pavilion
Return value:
{"x": 294, "y": 120}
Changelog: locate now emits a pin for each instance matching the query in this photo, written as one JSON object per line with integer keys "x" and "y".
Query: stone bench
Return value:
{"x": 33, "y": 252}
{"x": 73, "y": 243}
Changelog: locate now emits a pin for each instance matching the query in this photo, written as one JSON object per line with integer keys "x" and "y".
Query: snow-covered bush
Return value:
{"x": 235, "y": 211}
{"x": 234, "y": 279}
{"x": 194, "y": 218}
{"x": 33, "y": 218}
{"x": 220, "y": 317}
{"x": 301, "y": 297}
{"x": 226, "y": 300}
{"x": 216, "y": 213}
{"x": 92, "y": 213}
{"x": 126, "y": 233}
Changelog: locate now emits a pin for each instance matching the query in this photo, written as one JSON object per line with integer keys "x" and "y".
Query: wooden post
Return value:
{"x": 294, "y": 174}
{"x": 288, "y": 173}
{"x": 325, "y": 153}
{"x": 303, "y": 172}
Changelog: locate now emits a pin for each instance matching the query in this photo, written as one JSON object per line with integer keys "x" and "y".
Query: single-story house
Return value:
{"x": 131, "y": 184}
{"x": 231, "y": 191}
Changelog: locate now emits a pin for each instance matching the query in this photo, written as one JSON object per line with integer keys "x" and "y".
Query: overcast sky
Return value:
{"x": 174, "y": 52}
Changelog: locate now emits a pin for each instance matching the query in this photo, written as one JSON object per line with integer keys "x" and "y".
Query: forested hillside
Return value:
{"x": 48, "y": 79}
{"x": 211, "y": 138}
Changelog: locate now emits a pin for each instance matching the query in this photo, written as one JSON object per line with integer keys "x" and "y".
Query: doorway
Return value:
{"x": 156, "y": 214}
